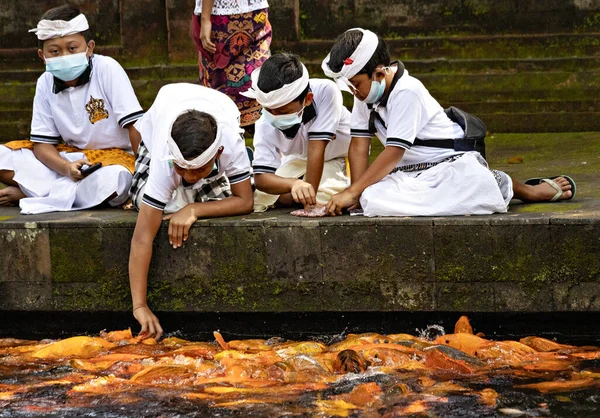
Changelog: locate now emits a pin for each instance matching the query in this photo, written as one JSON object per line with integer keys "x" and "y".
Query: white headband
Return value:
{"x": 47, "y": 29}
{"x": 199, "y": 161}
{"x": 355, "y": 62}
{"x": 280, "y": 97}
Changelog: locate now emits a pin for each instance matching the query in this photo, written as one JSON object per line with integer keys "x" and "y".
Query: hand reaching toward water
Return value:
{"x": 149, "y": 322}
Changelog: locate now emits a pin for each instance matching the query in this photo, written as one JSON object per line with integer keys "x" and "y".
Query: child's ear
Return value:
{"x": 308, "y": 99}
{"x": 219, "y": 152}
{"x": 41, "y": 55}
{"x": 91, "y": 45}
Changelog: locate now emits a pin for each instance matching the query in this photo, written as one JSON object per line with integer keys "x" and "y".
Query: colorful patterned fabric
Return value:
{"x": 242, "y": 43}
{"x": 109, "y": 156}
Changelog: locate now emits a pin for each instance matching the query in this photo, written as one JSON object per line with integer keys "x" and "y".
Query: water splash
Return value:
{"x": 431, "y": 332}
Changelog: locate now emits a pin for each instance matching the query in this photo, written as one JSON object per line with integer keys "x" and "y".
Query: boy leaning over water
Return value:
{"x": 84, "y": 100}
{"x": 192, "y": 163}
{"x": 425, "y": 169}
{"x": 302, "y": 138}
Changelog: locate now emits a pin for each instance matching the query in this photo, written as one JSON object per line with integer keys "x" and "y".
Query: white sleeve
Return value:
{"x": 43, "y": 128}
{"x": 329, "y": 113}
{"x": 405, "y": 121}
{"x": 360, "y": 120}
{"x": 267, "y": 158}
{"x": 235, "y": 160}
{"x": 118, "y": 90}
{"x": 162, "y": 181}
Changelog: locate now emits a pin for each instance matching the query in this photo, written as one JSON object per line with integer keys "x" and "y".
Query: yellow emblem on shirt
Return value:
{"x": 95, "y": 107}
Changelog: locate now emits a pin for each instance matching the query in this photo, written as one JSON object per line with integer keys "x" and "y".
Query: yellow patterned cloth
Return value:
{"x": 109, "y": 156}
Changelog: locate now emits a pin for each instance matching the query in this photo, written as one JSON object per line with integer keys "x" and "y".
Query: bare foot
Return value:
{"x": 10, "y": 196}
{"x": 544, "y": 192}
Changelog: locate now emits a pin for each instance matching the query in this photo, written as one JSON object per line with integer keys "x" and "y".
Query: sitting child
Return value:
{"x": 301, "y": 139}
{"x": 85, "y": 100}
{"x": 191, "y": 163}
{"x": 417, "y": 174}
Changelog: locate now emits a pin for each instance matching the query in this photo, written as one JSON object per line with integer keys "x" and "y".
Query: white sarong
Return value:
{"x": 460, "y": 187}
{"x": 48, "y": 191}
{"x": 333, "y": 180}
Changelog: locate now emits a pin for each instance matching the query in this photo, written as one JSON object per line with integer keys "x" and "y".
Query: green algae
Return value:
{"x": 547, "y": 207}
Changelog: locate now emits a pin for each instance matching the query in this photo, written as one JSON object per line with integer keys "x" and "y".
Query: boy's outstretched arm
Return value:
{"x": 240, "y": 202}
{"x": 146, "y": 227}
{"x": 288, "y": 188}
{"x": 381, "y": 167}
{"x": 358, "y": 157}
{"x": 315, "y": 163}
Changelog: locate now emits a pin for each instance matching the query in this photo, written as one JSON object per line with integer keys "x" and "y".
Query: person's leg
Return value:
{"x": 11, "y": 194}
{"x": 542, "y": 192}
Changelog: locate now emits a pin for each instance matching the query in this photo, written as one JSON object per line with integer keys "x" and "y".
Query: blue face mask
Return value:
{"x": 67, "y": 67}
{"x": 376, "y": 92}
{"x": 283, "y": 122}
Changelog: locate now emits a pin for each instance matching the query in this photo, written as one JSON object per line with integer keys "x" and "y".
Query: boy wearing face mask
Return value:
{"x": 301, "y": 139}
{"x": 421, "y": 171}
{"x": 85, "y": 101}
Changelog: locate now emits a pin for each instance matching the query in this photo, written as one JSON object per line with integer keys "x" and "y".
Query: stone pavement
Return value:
{"x": 535, "y": 258}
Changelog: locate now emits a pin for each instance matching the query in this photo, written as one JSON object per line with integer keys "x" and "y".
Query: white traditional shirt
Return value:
{"x": 232, "y": 7}
{"x": 92, "y": 114}
{"x": 411, "y": 112}
{"x": 163, "y": 179}
{"x": 326, "y": 119}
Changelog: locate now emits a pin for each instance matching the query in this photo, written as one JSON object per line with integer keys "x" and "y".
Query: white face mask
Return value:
{"x": 67, "y": 67}
{"x": 377, "y": 89}
{"x": 283, "y": 122}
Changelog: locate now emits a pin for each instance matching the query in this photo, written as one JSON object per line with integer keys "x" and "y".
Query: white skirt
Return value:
{"x": 460, "y": 187}
{"x": 48, "y": 191}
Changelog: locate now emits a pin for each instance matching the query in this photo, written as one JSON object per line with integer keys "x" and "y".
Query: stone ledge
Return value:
{"x": 273, "y": 262}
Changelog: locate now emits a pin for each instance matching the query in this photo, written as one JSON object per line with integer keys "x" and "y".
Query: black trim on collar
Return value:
{"x": 84, "y": 78}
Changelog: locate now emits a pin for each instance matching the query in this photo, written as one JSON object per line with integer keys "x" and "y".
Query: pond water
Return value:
{"x": 441, "y": 371}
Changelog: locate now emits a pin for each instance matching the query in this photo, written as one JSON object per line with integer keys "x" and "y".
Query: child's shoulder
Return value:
{"x": 103, "y": 63}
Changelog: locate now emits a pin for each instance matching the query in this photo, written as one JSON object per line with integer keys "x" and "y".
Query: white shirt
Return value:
{"x": 162, "y": 178}
{"x": 232, "y": 7}
{"x": 411, "y": 112}
{"x": 331, "y": 123}
{"x": 89, "y": 116}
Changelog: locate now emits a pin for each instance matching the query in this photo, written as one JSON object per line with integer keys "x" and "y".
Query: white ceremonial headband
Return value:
{"x": 47, "y": 29}
{"x": 280, "y": 97}
{"x": 355, "y": 62}
{"x": 199, "y": 161}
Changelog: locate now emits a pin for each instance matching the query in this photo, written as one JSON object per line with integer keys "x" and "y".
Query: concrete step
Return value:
{"x": 551, "y": 85}
{"x": 559, "y": 45}
{"x": 417, "y": 66}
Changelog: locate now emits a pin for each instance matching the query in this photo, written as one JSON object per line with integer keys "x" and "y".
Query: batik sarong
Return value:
{"x": 242, "y": 42}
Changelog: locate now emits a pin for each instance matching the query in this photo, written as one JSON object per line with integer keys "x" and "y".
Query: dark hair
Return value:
{"x": 66, "y": 12}
{"x": 278, "y": 70}
{"x": 194, "y": 132}
{"x": 346, "y": 44}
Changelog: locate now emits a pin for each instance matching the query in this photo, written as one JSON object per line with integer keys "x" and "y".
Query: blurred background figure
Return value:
{"x": 233, "y": 38}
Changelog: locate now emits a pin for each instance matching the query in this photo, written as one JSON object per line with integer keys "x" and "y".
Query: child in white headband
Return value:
{"x": 192, "y": 163}
{"x": 85, "y": 101}
{"x": 428, "y": 166}
{"x": 301, "y": 140}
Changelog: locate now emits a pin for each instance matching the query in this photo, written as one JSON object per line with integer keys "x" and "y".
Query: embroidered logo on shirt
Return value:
{"x": 95, "y": 107}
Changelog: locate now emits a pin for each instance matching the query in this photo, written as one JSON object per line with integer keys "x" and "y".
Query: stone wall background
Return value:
{"x": 154, "y": 30}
